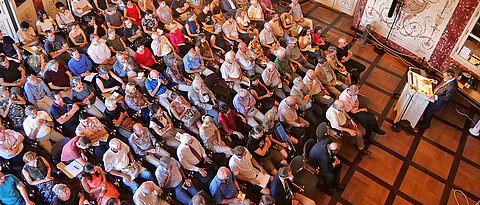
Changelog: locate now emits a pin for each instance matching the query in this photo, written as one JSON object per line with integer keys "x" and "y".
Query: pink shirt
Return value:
{"x": 176, "y": 38}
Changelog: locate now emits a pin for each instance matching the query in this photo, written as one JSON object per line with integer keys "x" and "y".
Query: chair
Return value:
{"x": 303, "y": 173}
{"x": 321, "y": 131}
{"x": 363, "y": 100}
{"x": 57, "y": 148}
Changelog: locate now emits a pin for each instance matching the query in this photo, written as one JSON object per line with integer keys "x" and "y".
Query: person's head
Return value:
{"x": 83, "y": 142}
{"x": 111, "y": 103}
{"x": 162, "y": 4}
{"x": 166, "y": 162}
{"x": 298, "y": 83}
{"x": 267, "y": 27}
{"x": 154, "y": 75}
{"x": 140, "y": 46}
{"x": 243, "y": 93}
{"x": 115, "y": 145}
{"x": 239, "y": 151}
{"x": 448, "y": 74}
{"x": 311, "y": 74}
{"x": 267, "y": 200}
{"x": 57, "y": 98}
{"x": 30, "y": 158}
{"x": 285, "y": 172}
{"x": 127, "y": 2}
{"x": 256, "y": 132}
{"x": 112, "y": 9}
{"x": 121, "y": 57}
{"x": 217, "y": 28}
{"x": 90, "y": 20}
{"x": 230, "y": 56}
{"x": 242, "y": 47}
{"x": 318, "y": 30}
{"x": 280, "y": 53}
{"x": 342, "y": 42}
{"x": 62, "y": 191}
{"x": 4, "y": 61}
{"x": 130, "y": 89}
{"x": 113, "y": 201}
{"x": 207, "y": 120}
{"x": 332, "y": 50}
{"x": 127, "y": 22}
{"x": 50, "y": 35}
{"x": 206, "y": 8}
{"x": 223, "y": 174}
{"x": 138, "y": 129}
{"x": 42, "y": 15}
{"x": 197, "y": 83}
{"x": 192, "y": 54}
{"x": 254, "y": 80}
{"x": 88, "y": 170}
{"x": 94, "y": 38}
{"x": 338, "y": 105}
{"x": 295, "y": 1}
{"x": 73, "y": 52}
{"x": 149, "y": 13}
{"x": 173, "y": 27}
{"x": 150, "y": 188}
{"x": 185, "y": 138}
{"x": 353, "y": 90}
{"x": 52, "y": 65}
{"x": 198, "y": 200}
{"x": 230, "y": 18}
{"x": 254, "y": 2}
{"x": 201, "y": 38}
{"x": 103, "y": 71}
{"x": 291, "y": 102}
{"x": 333, "y": 147}
{"x": 60, "y": 6}
{"x": 191, "y": 17}
{"x": 271, "y": 66}
{"x": 31, "y": 111}
{"x": 223, "y": 108}
{"x": 111, "y": 33}
{"x": 33, "y": 80}
{"x": 83, "y": 117}
{"x": 4, "y": 93}
{"x": 73, "y": 27}
{"x": 24, "y": 25}
{"x": 292, "y": 42}
{"x": 271, "y": 116}
{"x": 156, "y": 36}
{"x": 304, "y": 31}
{"x": 322, "y": 61}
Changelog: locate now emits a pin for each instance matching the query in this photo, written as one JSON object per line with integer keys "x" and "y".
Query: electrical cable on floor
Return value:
{"x": 461, "y": 113}
{"x": 465, "y": 196}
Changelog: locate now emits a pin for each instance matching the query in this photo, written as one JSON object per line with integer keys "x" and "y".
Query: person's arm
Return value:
{"x": 54, "y": 87}
{"x": 23, "y": 192}
{"x": 118, "y": 79}
{"x": 262, "y": 151}
{"x": 29, "y": 179}
{"x": 68, "y": 115}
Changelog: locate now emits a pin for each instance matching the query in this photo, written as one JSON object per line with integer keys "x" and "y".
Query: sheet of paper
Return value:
{"x": 74, "y": 168}
{"x": 34, "y": 48}
{"x": 89, "y": 78}
{"x": 263, "y": 179}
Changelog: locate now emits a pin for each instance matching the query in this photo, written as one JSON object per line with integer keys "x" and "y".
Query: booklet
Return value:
{"x": 263, "y": 179}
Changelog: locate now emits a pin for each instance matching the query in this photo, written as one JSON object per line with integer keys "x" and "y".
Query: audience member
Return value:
{"x": 38, "y": 126}
{"x": 170, "y": 175}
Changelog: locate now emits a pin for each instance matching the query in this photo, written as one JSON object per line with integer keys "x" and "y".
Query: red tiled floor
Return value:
{"x": 398, "y": 142}
{"x": 364, "y": 52}
{"x": 393, "y": 64}
{"x": 443, "y": 134}
{"x": 378, "y": 100}
{"x": 383, "y": 79}
{"x": 468, "y": 178}
{"x": 306, "y": 7}
{"x": 472, "y": 151}
{"x": 325, "y": 14}
{"x": 400, "y": 201}
{"x": 362, "y": 189}
{"x": 433, "y": 158}
{"x": 460, "y": 199}
{"x": 421, "y": 187}
{"x": 380, "y": 161}
{"x": 451, "y": 115}
{"x": 333, "y": 36}
{"x": 344, "y": 23}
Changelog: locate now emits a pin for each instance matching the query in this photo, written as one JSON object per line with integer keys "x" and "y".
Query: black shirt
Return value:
{"x": 56, "y": 111}
{"x": 90, "y": 29}
{"x": 55, "y": 45}
{"x": 109, "y": 116}
{"x": 254, "y": 144}
{"x": 177, "y": 4}
{"x": 129, "y": 32}
{"x": 6, "y": 46}
{"x": 205, "y": 18}
{"x": 10, "y": 74}
{"x": 341, "y": 52}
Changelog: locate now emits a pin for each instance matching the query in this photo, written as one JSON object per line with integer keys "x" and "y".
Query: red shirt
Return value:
{"x": 176, "y": 38}
{"x": 70, "y": 151}
{"x": 227, "y": 121}
{"x": 145, "y": 59}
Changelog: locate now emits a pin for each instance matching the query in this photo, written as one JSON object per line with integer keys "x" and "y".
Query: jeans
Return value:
{"x": 185, "y": 195}
{"x": 134, "y": 185}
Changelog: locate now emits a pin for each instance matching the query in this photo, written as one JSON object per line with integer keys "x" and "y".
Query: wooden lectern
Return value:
{"x": 414, "y": 98}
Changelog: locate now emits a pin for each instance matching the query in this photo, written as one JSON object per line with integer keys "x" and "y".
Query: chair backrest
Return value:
{"x": 307, "y": 147}
{"x": 321, "y": 131}
{"x": 57, "y": 148}
{"x": 363, "y": 100}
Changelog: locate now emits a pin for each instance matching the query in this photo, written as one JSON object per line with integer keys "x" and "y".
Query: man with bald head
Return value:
{"x": 314, "y": 87}
{"x": 244, "y": 103}
{"x": 145, "y": 145}
{"x": 156, "y": 85}
{"x": 267, "y": 37}
{"x": 271, "y": 78}
{"x": 224, "y": 188}
{"x": 324, "y": 155}
{"x": 232, "y": 72}
{"x": 341, "y": 121}
{"x": 246, "y": 59}
{"x": 148, "y": 193}
{"x": 287, "y": 110}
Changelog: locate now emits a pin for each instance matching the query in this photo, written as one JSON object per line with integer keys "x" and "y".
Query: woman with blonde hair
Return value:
{"x": 37, "y": 62}
{"x": 183, "y": 111}
{"x": 268, "y": 125}
{"x": 211, "y": 137}
{"x": 38, "y": 173}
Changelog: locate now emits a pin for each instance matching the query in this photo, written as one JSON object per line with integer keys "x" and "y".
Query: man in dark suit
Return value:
{"x": 324, "y": 155}
{"x": 443, "y": 94}
{"x": 280, "y": 189}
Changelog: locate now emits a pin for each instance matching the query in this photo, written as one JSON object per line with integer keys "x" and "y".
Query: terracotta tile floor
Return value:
{"x": 424, "y": 167}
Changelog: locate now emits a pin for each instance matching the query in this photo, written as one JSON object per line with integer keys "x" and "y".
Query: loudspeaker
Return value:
{"x": 392, "y": 8}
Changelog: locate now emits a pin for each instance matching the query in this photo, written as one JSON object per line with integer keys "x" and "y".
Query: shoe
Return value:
{"x": 379, "y": 131}
{"x": 365, "y": 152}
{"x": 476, "y": 134}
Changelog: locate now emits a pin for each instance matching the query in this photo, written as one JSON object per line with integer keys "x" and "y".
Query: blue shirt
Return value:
{"x": 36, "y": 92}
{"x": 223, "y": 190}
{"x": 118, "y": 67}
{"x": 81, "y": 66}
{"x": 192, "y": 64}
{"x": 151, "y": 84}
{"x": 192, "y": 25}
{"x": 9, "y": 194}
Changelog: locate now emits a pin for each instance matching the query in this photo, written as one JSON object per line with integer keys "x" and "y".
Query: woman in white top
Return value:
{"x": 45, "y": 23}
{"x": 243, "y": 21}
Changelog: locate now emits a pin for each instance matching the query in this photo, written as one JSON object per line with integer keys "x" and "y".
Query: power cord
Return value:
{"x": 465, "y": 196}
{"x": 461, "y": 113}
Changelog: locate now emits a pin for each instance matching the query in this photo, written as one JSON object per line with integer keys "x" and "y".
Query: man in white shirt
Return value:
{"x": 341, "y": 121}
{"x": 230, "y": 29}
{"x": 99, "y": 51}
{"x": 81, "y": 7}
{"x": 255, "y": 13}
{"x": 316, "y": 89}
{"x": 119, "y": 161}
{"x": 242, "y": 165}
{"x": 148, "y": 193}
{"x": 38, "y": 126}
{"x": 271, "y": 78}
{"x": 232, "y": 72}
{"x": 192, "y": 157}
{"x": 63, "y": 17}
{"x": 287, "y": 110}
{"x": 267, "y": 37}
{"x": 246, "y": 59}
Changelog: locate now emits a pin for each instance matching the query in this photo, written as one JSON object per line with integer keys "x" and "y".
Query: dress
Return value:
{"x": 265, "y": 103}
{"x": 111, "y": 191}
{"x": 133, "y": 13}
{"x": 16, "y": 114}
{"x": 208, "y": 134}
{"x": 38, "y": 173}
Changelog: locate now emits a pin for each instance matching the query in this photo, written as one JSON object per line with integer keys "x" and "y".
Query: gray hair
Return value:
{"x": 353, "y": 88}
{"x": 60, "y": 189}
{"x": 165, "y": 162}
{"x": 338, "y": 105}
{"x": 50, "y": 64}
{"x": 297, "y": 81}
{"x": 109, "y": 102}
{"x": 75, "y": 81}
{"x": 30, "y": 109}
{"x": 31, "y": 78}
{"x": 222, "y": 173}
{"x": 279, "y": 52}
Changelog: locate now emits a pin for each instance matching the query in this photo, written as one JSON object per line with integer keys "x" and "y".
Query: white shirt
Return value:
{"x": 185, "y": 156}
{"x": 30, "y": 124}
{"x": 242, "y": 59}
{"x": 230, "y": 29}
{"x": 78, "y": 6}
{"x": 99, "y": 53}
{"x": 266, "y": 37}
{"x": 348, "y": 100}
{"x": 243, "y": 167}
{"x": 275, "y": 78}
{"x": 230, "y": 70}
{"x": 335, "y": 117}
{"x": 63, "y": 19}
{"x": 255, "y": 12}
{"x": 308, "y": 85}
{"x": 286, "y": 113}
{"x": 117, "y": 161}
{"x": 162, "y": 47}
{"x": 141, "y": 198}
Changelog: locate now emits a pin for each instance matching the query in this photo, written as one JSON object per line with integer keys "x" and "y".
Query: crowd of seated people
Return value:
{"x": 175, "y": 105}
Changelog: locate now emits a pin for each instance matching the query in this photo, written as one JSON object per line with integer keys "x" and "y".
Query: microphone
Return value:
{"x": 392, "y": 8}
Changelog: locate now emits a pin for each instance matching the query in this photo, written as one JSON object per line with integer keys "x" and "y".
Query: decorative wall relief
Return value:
{"x": 419, "y": 26}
